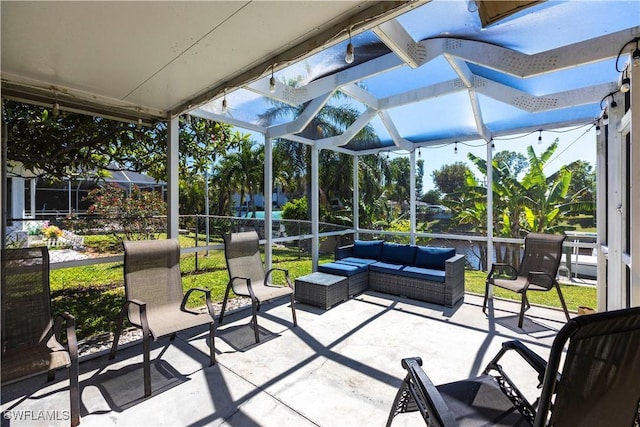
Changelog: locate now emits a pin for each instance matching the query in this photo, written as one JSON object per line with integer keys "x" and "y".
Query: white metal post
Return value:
{"x": 173, "y": 210}
{"x": 601, "y": 212}
{"x": 268, "y": 201}
{"x": 412, "y": 196}
{"x": 490, "y": 257}
{"x": 634, "y": 174}
{"x": 616, "y": 206}
{"x": 356, "y": 197}
{"x": 315, "y": 212}
{"x": 32, "y": 201}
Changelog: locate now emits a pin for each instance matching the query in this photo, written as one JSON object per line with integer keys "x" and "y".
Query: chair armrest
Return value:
{"x": 532, "y": 358}
{"x": 70, "y": 323}
{"x": 286, "y": 276}
{"x": 343, "y": 252}
{"x": 142, "y": 309}
{"x": 429, "y": 394}
{"x": 502, "y": 267}
{"x": 207, "y": 299}
{"x": 249, "y": 287}
{"x": 535, "y": 276}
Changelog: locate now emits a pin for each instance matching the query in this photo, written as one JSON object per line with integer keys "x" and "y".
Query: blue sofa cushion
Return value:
{"x": 370, "y": 249}
{"x": 385, "y": 267}
{"x": 398, "y": 254}
{"x": 434, "y": 258}
{"x": 357, "y": 261}
{"x": 423, "y": 273}
{"x": 341, "y": 269}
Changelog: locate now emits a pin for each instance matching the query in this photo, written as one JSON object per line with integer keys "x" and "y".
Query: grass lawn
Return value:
{"x": 574, "y": 296}
{"x": 94, "y": 294}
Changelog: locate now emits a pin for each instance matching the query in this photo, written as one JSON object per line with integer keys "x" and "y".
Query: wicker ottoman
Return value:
{"x": 357, "y": 274}
{"x": 321, "y": 289}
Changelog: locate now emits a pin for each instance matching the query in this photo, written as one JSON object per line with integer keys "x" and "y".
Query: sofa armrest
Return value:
{"x": 344, "y": 252}
{"x": 454, "y": 279}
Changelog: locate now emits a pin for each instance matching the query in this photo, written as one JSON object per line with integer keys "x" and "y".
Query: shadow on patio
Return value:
{"x": 338, "y": 367}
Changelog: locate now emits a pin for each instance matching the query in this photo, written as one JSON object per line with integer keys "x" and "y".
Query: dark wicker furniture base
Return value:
{"x": 321, "y": 289}
{"x": 447, "y": 293}
{"x": 358, "y": 283}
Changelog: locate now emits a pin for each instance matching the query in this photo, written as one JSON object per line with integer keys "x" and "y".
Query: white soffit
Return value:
{"x": 155, "y": 57}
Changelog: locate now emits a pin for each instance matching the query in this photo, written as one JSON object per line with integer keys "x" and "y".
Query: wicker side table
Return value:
{"x": 321, "y": 289}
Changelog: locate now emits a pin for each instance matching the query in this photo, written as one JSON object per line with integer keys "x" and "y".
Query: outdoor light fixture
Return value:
{"x": 540, "y": 138}
{"x": 350, "y": 56}
{"x": 420, "y": 152}
{"x": 455, "y": 148}
{"x": 613, "y": 104}
{"x": 472, "y": 6}
{"x": 598, "y": 131}
{"x": 635, "y": 56}
{"x": 605, "y": 119}
{"x": 224, "y": 103}
{"x": 625, "y": 86}
{"x": 272, "y": 82}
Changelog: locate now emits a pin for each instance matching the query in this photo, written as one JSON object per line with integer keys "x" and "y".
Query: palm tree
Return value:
{"x": 244, "y": 170}
{"x": 336, "y": 171}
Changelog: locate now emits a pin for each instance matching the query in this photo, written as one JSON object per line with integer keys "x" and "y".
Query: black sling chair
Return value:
{"x": 599, "y": 384}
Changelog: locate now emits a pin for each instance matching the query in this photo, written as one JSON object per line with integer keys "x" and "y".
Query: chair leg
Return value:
{"x": 293, "y": 311}
{"x": 116, "y": 336}
{"x": 224, "y": 304}
{"x": 212, "y": 347}
{"x": 524, "y": 303}
{"x": 146, "y": 350}
{"x": 74, "y": 393}
{"x": 564, "y": 305}
{"x": 486, "y": 297}
{"x": 255, "y": 307}
{"x": 401, "y": 402}
{"x": 254, "y": 316}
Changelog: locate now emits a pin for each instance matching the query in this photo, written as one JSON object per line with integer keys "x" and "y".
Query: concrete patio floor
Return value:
{"x": 339, "y": 367}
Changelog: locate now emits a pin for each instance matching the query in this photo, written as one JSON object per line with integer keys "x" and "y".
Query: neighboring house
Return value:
{"x": 32, "y": 197}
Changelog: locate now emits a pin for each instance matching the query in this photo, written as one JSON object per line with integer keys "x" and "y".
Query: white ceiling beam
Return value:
{"x": 359, "y": 94}
{"x": 298, "y": 138}
{"x": 522, "y": 65}
{"x": 302, "y": 120}
{"x": 461, "y": 68}
{"x": 398, "y": 140}
{"x": 483, "y": 131}
{"x": 302, "y": 94}
{"x": 344, "y": 138}
{"x": 421, "y": 94}
{"x": 535, "y": 104}
{"x": 209, "y": 115}
{"x": 393, "y": 34}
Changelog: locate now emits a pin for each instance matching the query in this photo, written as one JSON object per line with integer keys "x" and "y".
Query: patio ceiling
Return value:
{"x": 436, "y": 75}
{"x": 153, "y": 60}
{"x": 424, "y": 72}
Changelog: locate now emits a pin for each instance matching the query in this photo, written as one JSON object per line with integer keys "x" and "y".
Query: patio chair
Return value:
{"x": 598, "y": 385}
{"x": 248, "y": 278}
{"x": 537, "y": 272}
{"x": 31, "y": 338}
{"x": 154, "y": 298}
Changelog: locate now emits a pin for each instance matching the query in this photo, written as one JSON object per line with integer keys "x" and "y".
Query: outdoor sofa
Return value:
{"x": 424, "y": 273}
